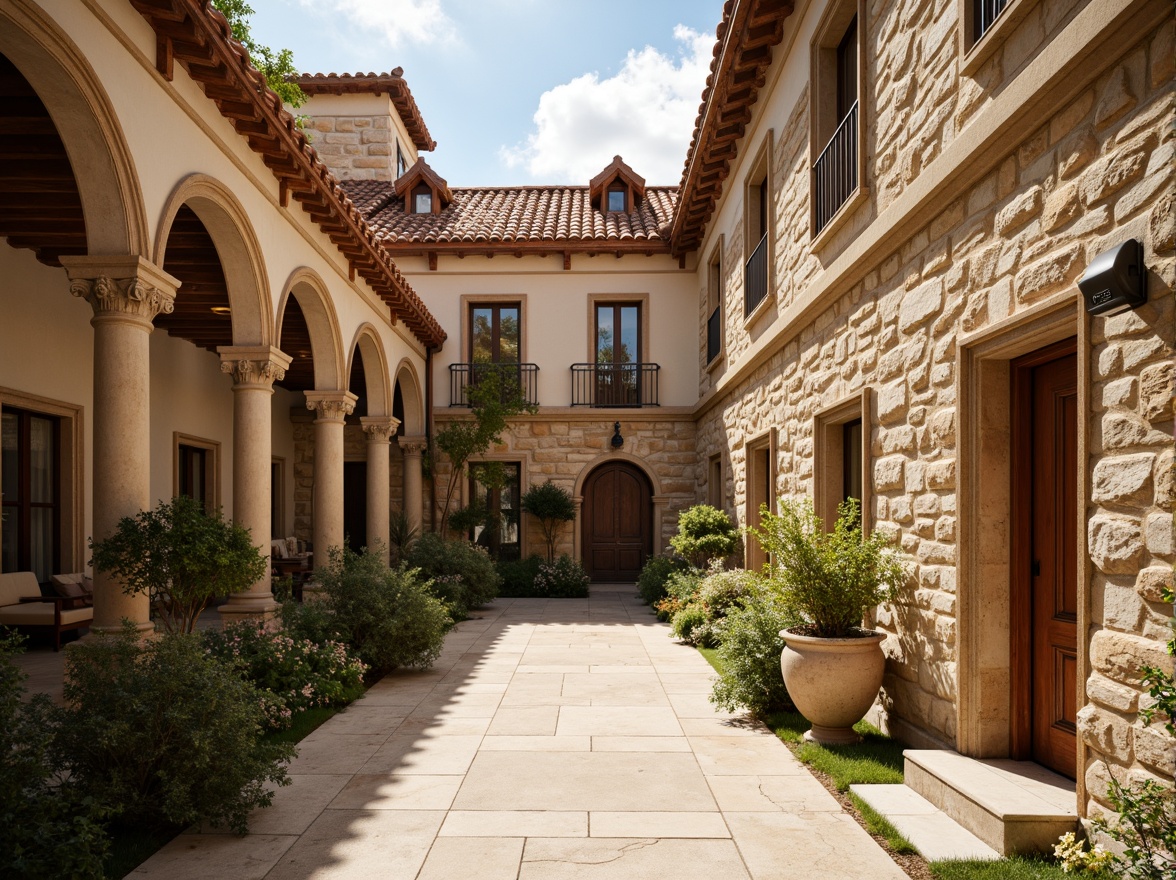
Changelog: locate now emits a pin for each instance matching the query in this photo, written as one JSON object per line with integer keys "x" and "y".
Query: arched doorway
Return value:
{"x": 617, "y": 522}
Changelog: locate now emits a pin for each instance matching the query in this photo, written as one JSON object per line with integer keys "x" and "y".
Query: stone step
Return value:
{"x": 1013, "y": 806}
{"x": 927, "y": 827}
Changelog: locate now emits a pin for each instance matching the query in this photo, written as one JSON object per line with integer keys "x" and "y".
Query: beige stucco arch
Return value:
{"x": 112, "y": 202}
{"x": 660, "y": 501}
{"x": 326, "y": 340}
{"x": 236, "y": 244}
{"x": 375, "y": 370}
{"x": 412, "y": 394}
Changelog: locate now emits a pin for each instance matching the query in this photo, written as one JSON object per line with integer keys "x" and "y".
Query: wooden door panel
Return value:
{"x": 617, "y": 522}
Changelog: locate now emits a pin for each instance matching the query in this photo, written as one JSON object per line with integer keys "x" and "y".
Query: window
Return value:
{"x": 616, "y": 198}
{"x": 401, "y": 165}
{"x": 277, "y": 497}
{"x": 495, "y": 488}
{"x": 714, "y": 482}
{"x": 422, "y": 200}
{"x": 760, "y": 462}
{"x": 840, "y": 456}
{"x": 196, "y": 469}
{"x": 618, "y": 354}
{"x": 985, "y": 26}
{"x": 31, "y": 484}
{"x": 984, "y": 16}
{"x": 757, "y": 276}
{"x": 835, "y": 112}
{"x": 714, "y": 305}
{"x": 495, "y": 331}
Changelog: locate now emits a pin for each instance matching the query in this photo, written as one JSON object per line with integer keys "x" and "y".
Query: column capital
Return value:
{"x": 122, "y": 286}
{"x": 379, "y": 428}
{"x": 253, "y": 366}
{"x": 330, "y": 406}
{"x": 413, "y": 445}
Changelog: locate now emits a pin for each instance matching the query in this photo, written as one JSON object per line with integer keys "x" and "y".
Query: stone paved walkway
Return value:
{"x": 553, "y": 739}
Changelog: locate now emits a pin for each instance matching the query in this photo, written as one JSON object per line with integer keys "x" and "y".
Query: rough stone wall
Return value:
{"x": 1097, "y": 172}
{"x": 355, "y": 147}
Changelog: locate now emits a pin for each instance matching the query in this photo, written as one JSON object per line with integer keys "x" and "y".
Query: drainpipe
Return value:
{"x": 429, "y": 437}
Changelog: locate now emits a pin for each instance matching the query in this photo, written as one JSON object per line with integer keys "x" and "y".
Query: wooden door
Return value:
{"x": 617, "y": 523}
{"x": 1045, "y": 575}
{"x": 355, "y": 504}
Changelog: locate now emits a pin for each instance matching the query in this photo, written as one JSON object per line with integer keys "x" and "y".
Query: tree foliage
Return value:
{"x": 182, "y": 556}
{"x": 552, "y": 505}
{"x": 704, "y": 533}
{"x": 276, "y": 64}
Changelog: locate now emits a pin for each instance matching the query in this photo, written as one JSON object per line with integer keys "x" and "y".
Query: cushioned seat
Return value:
{"x": 22, "y": 605}
{"x": 43, "y": 614}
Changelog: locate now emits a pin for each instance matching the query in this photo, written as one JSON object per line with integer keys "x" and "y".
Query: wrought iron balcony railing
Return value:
{"x": 755, "y": 277}
{"x": 714, "y": 335}
{"x": 987, "y": 12}
{"x": 522, "y": 379}
{"x": 615, "y": 384}
{"x": 835, "y": 173}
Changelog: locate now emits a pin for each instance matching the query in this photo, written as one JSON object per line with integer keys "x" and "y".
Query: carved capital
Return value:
{"x": 253, "y": 367}
{"x": 127, "y": 286}
{"x": 412, "y": 446}
{"x": 330, "y": 406}
{"x": 379, "y": 428}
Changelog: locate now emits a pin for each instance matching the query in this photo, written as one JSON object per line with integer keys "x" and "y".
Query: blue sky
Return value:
{"x": 522, "y": 91}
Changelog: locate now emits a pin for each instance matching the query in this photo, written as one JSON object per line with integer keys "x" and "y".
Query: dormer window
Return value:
{"x": 618, "y": 189}
{"x": 422, "y": 200}
{"x": 616, "y": 199}
{"x": 423, "y": 190}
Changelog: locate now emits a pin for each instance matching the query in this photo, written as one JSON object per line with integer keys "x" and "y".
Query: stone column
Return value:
{"x": 379, "y": 430}
{"x": 330, "y": 409}
{"x": 254, "y": 370}
{"x": 414, "y": 497}
{"x": 126, "y": 294}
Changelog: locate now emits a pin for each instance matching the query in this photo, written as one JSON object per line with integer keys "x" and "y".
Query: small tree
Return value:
{"x": 182, "y": 557}
{"x": 552, "y": 505}
{"x": 276, "y": 64}
{"x": 704, "y": 533}
{"x": 494, "y": 397}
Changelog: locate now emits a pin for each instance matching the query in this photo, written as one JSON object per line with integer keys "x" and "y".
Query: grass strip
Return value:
{"x": 878, "y": 825}
{"x": 1012, "y": 868}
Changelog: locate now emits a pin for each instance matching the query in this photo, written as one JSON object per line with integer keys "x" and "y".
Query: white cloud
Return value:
{"x": 644, "y": 113}
{"x": 397, "y": 21}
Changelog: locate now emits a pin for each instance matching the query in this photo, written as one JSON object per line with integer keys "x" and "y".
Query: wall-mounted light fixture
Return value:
{"x": 617, "y": 440}
{"x": 1115, "y": 280}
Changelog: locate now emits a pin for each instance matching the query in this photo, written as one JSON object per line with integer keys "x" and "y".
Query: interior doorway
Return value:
{"x": 355, "y": 504}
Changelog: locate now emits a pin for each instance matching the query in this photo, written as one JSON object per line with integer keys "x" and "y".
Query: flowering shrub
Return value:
{"x": 1075, "y": 858}
{"x": 292, "y": 673}
{"x": 563, "y": 579}
{"x": 442, "y": 561}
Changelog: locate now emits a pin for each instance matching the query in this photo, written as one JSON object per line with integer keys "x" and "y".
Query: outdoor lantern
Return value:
{"x": 617, "y": 440}
{"x": 1115, "y": 280}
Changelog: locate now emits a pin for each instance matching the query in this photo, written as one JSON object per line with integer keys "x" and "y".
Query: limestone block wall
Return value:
{"x": 1095, "y": 172}
{"x": 356, "y": 147}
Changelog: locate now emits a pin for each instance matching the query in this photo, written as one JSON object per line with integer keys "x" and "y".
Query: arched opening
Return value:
{"x": 616, "y": 522}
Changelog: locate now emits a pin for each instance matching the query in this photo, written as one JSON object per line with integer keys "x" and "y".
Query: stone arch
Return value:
{"x": 103, "y": 167}
{"x": 326, "y": 341}
{"x": 412, "y": 395}
{"x": 237, "y": 246}
{"x": 375, "y": 370}
{"x": 639, "y": 463}
{"x": 659, "y": 499}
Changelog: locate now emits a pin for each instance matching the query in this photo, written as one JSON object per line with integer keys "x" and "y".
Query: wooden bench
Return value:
{"x": 22, "y": 606}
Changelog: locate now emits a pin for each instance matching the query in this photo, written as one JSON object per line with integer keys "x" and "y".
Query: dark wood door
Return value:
{"x": 355, "y": 504}
{"x": 617, "y": 523}
{"x": 1045, "y": 598}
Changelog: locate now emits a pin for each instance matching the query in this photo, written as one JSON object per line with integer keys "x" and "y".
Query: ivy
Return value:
{"x": 277, "y": 65}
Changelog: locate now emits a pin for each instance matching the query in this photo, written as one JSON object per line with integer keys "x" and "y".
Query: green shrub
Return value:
{"x": 681, "y": 589}
{"x": 388, "y": 615}
{"x": 401, "y": 535}
{"x": 440, "y": 560}
{"x": 1146, "y": 828}
{"x": 651, "y": 583}
{"x": 563, "y": 579}
{"x": 48, "y": 828}
{"x": 518, "y": 577}
{"x": 687, "y": 620}
{"x": 553, "y": 506}
{"x": 164, "y": 733}
{"x": 183, "y": 557}
{"x": 750, "y": 653}
{"x": 701, "y": 618}
{"x": 704, "y": 533}
{"x": 294, "y": 673}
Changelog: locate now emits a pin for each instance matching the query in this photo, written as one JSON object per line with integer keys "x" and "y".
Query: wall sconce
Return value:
{"x": 617, "y": 440}
{"x": 1115, "y": 280}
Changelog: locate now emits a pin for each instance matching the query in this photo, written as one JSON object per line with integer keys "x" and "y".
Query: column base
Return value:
{"x": 261, "y": 608}
{"x": 144, "y": 629}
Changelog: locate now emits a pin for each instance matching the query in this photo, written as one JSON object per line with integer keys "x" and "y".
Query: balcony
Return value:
{"x": 628, "y": 385}
{"x": 714, "y": 335}
{"x": 987, "y": 12}
{"x": 755, "y": 277}
{"x": 835, "y": 173}
{"x": 523, "y": 378}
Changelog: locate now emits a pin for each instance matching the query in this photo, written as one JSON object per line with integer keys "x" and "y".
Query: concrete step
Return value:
{"x": 927, "y": 827}
{"x": 1013, "y": 806}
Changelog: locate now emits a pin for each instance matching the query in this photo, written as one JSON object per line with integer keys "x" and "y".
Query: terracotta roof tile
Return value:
{"x": 557, "y": 216}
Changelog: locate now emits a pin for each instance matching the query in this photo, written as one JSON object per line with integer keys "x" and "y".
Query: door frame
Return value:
{"x": 660, "y": 500}
{"x": 1021, "y": 629}
{"x": 648, "y": 514}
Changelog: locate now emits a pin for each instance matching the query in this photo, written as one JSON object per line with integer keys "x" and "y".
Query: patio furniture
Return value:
{"x": 22, "y": 606}
{"x": 76, "y": 585}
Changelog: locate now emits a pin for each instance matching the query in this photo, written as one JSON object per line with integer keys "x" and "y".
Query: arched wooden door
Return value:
{"x": 617, "y": 522}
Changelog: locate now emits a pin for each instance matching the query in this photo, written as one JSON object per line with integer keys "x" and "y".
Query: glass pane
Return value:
{"x": 10, "y": 541}
{"x": 482, "y": 335}
{"x": 852, "y": 452}
{"x": 628, "y": 334}
{"x": 509, "y": 505}
{"x": 41, "y": 542}
{"x": 10, "y": 484}
{"x": 197, "y": 475}
{"x": 508, "y": 334}
{"x": 40, "y": 460}
{"x": 604, "y": 334}
{"x": 616, "y": 200}
{"x": 422, "y": 203}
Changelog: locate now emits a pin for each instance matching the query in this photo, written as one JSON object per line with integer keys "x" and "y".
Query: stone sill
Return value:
{"x": 972, "y": 59}
{"x": 856, "y": 199}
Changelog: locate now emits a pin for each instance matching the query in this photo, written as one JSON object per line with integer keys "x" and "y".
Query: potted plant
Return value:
{"x": 832, "y": 666}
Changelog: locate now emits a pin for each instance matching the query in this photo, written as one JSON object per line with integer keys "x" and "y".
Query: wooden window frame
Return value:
{"x": 422, "y": 189}
{"x": 469, "y": 301}
{"x": 829, "y": 457}
{"x": 621, "y": 190}
{"x": 496, "y": 336}
{"x": 616, "y": 306}
{"x": 716, "y": 495}
{"x": 641, "y": 300}
{"x": 758, "y": 201}
{"x": 212, "y": 466}
{"x": 766, "y": 442}
{"x": 716, "y": 298}
{"x": 25, "y": 506}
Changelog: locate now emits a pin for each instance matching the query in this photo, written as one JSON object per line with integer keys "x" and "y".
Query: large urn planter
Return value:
{"x": 833, "y": 682}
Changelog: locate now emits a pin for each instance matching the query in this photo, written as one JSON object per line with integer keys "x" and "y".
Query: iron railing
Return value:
{"x": 714, "y": 335}
{"x": 755, "y": 277}
{"x": 615, "y": 384}
{"x": 986, "y": 12}
{"x": 835, "y": 173}
{"x": 522, "y": 379}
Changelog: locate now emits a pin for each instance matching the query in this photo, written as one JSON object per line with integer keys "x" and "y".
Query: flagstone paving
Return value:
{"x": 552, "y": 739}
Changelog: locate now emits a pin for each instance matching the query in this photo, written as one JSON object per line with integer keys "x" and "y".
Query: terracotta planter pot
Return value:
{"x": 833, "y": 682}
